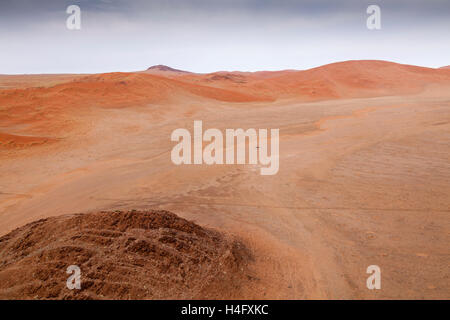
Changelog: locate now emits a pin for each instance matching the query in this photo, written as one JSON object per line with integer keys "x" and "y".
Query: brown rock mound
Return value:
{"x": 161, "y": 67}
{"x": 122, "y": 255}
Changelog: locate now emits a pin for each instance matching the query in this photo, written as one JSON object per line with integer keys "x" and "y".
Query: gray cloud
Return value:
{"x": 208, "y": 35}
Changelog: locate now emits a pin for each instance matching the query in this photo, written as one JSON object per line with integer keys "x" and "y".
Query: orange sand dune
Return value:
{"x": 363, "y": 178}
{"x": 10, "y": 141}
{"x": 347, "y": 79}
{"x": 50, "y": 110}
{"x": 353, "y": 79}
{"x": 34, "y": 80}
{"x": 37, "y": 107}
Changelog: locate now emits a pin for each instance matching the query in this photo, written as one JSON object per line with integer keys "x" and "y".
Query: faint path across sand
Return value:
{"x": 369, "y": 186}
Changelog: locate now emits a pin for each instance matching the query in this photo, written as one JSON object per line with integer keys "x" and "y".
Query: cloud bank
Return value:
{"x": 211, "y": 35}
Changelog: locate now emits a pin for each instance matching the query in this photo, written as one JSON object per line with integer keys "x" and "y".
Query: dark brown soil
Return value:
{"x": 122, "y": 255}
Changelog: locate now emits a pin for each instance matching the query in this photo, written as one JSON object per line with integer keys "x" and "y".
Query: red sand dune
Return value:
{"x": 60, "y": 104}
{"x": 349, "y": 79}
{"x": 338, "y": 80}
{"x": 352, "y": 79}
{"x": 37, "y": 106}
{"x": 362, "y": 181}
{"x": 34, "y": 80}
{"x": 11, "y": 141}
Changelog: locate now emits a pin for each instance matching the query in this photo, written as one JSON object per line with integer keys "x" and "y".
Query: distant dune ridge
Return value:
{"x": 164, "y": 85}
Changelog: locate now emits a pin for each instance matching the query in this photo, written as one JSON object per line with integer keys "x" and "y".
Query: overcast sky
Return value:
{"x": 212, "y": 35}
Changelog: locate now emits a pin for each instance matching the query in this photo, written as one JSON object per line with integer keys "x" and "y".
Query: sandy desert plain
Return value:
{"x": 364, "y": 179}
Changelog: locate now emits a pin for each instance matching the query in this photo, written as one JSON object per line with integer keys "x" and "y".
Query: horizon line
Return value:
{"x": 177, "y": 69}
